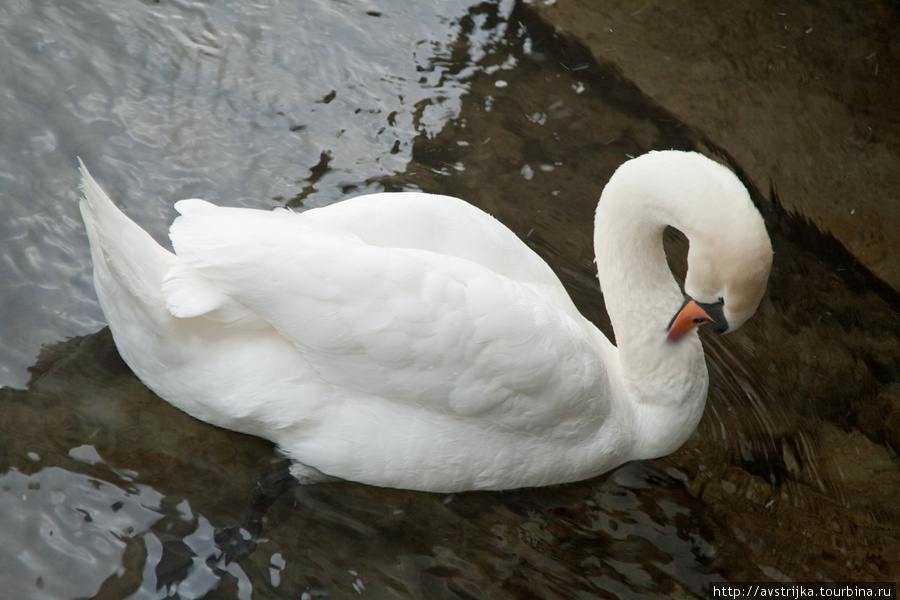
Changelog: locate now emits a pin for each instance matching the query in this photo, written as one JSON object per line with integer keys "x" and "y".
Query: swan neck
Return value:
{"x": 664, "y": 384}
{"x": 638, "y": 287}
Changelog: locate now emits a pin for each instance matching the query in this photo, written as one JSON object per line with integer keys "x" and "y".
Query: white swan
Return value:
{"x": 412, "y": 341}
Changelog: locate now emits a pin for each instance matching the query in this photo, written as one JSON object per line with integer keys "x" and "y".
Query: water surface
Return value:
{"x": 244, "y": 103}
{"x": 106, "y": 491}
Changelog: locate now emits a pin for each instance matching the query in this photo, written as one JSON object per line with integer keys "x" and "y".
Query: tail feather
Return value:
{"x": 125, "y": 256}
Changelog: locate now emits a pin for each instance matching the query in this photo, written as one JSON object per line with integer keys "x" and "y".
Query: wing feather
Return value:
{"x": 408, "y": 324}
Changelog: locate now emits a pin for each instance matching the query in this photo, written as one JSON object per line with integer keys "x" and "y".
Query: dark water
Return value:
{"x": 108, "y": 492}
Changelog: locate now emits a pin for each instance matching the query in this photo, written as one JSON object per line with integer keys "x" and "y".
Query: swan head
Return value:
{"x": 729, "y": 255}
{"x": 729, "y": 260}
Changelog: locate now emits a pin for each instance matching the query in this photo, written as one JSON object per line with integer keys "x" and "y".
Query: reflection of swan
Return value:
{"x": 412, "y": 341}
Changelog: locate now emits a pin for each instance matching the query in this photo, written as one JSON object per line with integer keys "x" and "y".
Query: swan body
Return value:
{"x": 410, "y": 340}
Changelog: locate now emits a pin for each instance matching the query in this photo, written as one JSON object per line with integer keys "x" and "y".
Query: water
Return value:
{"x": 237, "y": 102}
{"x": 108, "y": 492}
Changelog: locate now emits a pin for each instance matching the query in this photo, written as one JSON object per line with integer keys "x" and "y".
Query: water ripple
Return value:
{"x": 62, "y": 534}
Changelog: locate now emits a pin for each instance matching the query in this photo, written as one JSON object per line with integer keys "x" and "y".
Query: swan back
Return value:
{"x": 402, "y": 340}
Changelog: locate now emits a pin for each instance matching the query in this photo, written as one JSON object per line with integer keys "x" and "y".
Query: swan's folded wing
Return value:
{"x": 444, "y": 225}
{"x": 402, "y": 324}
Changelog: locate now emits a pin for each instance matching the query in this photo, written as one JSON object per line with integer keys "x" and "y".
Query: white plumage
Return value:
{"x": 411, "y": 340}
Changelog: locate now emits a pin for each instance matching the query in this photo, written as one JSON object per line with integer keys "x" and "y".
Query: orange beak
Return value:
{"x": 690, "y": 316}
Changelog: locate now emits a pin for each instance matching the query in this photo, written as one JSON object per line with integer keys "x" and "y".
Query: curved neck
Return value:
{"x": 664, "y": 382}
{"x": 640, "y": 293}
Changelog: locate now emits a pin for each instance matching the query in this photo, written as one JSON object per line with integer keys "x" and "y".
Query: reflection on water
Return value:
{"x": 107, "y": 491}
{"x": 238, "y": 102}
{"x": 55, "y": 523}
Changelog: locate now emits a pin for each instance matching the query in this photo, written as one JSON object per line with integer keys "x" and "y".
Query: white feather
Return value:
{"x": 411, "y": 340}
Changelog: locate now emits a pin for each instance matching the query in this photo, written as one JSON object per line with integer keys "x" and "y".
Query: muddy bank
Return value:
{"x": 804, "y": 97}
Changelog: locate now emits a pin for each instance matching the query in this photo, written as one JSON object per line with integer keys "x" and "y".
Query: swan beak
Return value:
{"x": 689, "y": 316}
